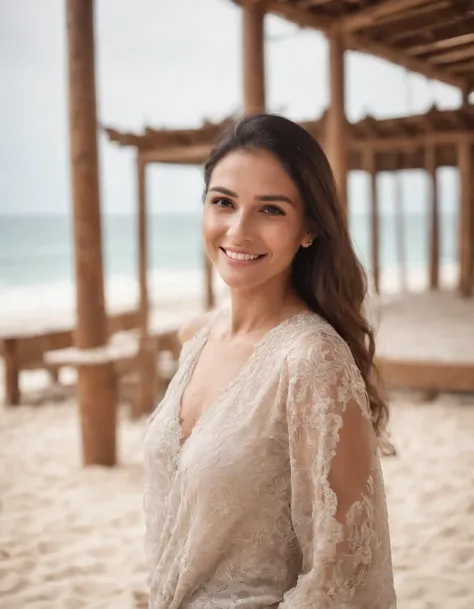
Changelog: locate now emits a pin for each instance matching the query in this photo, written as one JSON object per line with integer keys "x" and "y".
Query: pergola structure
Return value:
{"x": 431, "y": 37}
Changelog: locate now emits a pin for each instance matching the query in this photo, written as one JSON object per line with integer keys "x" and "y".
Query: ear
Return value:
{"x": 308, "y": 240}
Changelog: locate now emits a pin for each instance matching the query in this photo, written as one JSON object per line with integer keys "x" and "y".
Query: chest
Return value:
{"x": 214, "y": 369}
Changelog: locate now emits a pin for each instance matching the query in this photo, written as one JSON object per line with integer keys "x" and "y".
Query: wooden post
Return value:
{"x": 210, "y": 299}
{"x": 466, "y": 218}
{"x": 336, "y": 132}
{"x": 465, "y": 97}
{"x": 253, "y": 56}
{"x": 144, "y": 401}
{"x": 12, "y": 372}
{"x": 431, "y": 167}
{"x": 96, "y": 387}
{"x": 400, "y": 240}
{"x": 371, "y": 168}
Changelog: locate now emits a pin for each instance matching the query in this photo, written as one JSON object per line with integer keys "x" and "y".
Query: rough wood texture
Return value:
{"x": 97, "y": 398}
{"x": 254, "y": 56}
{"x": 96, "y": 390}
{"x": 336, "y": 134}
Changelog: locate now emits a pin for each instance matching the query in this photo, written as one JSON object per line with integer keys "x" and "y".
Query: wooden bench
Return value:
{"x": 123, "y": 351}
{"x": 24, "y": 350}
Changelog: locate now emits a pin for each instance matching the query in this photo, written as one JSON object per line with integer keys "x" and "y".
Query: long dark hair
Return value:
{"x": 327, "y": 275}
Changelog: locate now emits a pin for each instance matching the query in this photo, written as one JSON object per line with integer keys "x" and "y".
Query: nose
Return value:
{"x": 239, "y": 228}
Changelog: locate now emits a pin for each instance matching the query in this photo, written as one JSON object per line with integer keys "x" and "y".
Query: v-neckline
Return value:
{"x": 191, "y": 366}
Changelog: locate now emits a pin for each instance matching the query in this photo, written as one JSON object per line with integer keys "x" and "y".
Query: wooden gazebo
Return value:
{"x": 431, "y": 37}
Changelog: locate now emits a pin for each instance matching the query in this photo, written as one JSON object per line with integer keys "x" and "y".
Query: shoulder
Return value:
{"x": 316, "y": 341}
{"x": 320, "y": 362}
{"x": 192, "y": 326}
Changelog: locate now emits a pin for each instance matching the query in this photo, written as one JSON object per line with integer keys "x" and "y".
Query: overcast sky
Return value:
{"x": 163, "y": 63}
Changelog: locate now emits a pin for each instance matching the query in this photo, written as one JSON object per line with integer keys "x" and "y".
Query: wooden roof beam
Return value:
{"x": 401, "y": 58}
{"x": 409, "y": 26}
{"x": 465, "y": 68}
{"x": 453, "y": 56}
{"x": 448, "y": 39}
{"x": 297, "y": 15}
{"x": 367, "y": 16}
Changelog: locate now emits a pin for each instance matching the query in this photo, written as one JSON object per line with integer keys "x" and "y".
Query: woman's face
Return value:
{"x": 254, "y": 221}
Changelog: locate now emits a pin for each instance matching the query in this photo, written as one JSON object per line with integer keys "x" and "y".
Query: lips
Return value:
{"x": 242, "y": 256}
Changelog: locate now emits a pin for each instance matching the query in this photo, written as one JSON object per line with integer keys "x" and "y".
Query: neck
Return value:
{"x": 261, "y": 308}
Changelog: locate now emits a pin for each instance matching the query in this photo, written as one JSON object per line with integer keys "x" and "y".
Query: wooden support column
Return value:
{"x": 96, "y": 388}
{"x": 253, "y": 56}
{"x": 210, "y": 299}
{"x": 400, "y": 241}
{"x": 336, "y": 131}
{"x": 371, "y": 168}
{"x": 145, "y": 398}
{"x": 466, "y": 218}
{"x": 431, "y": 167}
{"x": 465, "y": 97}
{"x": 12, "y": 372}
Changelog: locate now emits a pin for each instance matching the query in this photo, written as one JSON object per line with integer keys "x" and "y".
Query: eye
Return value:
{"x": 273, "y": 210}
{"x": 221, "y": 202}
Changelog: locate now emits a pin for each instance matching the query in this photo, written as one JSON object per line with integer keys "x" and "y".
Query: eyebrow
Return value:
{"x": 266, "y": 198}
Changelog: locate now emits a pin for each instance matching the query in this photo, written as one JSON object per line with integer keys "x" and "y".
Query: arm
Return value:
{"x": 334, "y": 476}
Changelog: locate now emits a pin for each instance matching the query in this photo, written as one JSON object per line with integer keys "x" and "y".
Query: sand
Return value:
{"x": 72, "y": 538}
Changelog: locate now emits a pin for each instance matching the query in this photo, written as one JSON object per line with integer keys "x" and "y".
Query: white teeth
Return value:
{"x": 238, "y": 256}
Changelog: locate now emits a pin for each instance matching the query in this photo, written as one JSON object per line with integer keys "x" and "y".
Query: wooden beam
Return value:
{"x": 254, "y": 56}
{"x": 421, "y": 22}
{"x": 336, "y": 136}
{"x": 195, "y": 154}
{"x": 299, "y": 16}
{"x": 368, "y": 15}
{"x": 433, "y": 238}
{"x": 464, "y": 69}
{"x": 96, "y": 387}
{"x": 402, "y": 58}
{"x": 427, "y": 375}
{"x": 452, "y": 56}
{"x": 454, "y": 40}
{"x": 388, "y": 144}
{"x": 466, "y": 218}
{"x": 371, "y": 169}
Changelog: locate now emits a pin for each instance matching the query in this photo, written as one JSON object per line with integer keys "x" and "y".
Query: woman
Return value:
{"x": 264, "y": 486}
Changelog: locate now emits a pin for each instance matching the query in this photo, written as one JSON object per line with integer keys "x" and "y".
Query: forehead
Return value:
{"x": 253, "y": 172}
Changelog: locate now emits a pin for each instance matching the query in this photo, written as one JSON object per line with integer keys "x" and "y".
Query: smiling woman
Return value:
{"x": 264, "y": 486}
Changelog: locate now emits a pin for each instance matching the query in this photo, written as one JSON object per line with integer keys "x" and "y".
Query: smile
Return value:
{"x": 241, "y": 256}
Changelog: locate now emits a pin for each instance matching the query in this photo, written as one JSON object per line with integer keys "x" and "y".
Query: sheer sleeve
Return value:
{"x": 334, "y": 485}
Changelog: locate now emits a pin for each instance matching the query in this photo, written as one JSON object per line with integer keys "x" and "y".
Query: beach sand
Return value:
{"x": 72, "y": 538}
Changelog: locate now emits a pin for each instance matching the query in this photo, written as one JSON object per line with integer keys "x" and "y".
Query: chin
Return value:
{"x": 239, "y": 280}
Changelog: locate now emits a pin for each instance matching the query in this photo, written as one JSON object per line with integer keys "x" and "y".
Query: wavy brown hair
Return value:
{"x": 327, "y": 275}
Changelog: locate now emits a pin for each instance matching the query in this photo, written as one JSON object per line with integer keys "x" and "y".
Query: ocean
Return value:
{"x": 36, "y": 252}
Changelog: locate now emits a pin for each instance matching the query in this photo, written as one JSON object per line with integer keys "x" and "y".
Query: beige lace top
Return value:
{"x": 276, "y": 499}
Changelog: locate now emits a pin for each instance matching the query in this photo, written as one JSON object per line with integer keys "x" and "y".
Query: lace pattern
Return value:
{"x": 276, "y": 499}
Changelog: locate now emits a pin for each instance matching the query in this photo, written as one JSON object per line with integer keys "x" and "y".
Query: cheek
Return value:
{"x": 283, "y": 238}
{"x": 212, "y": 226}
